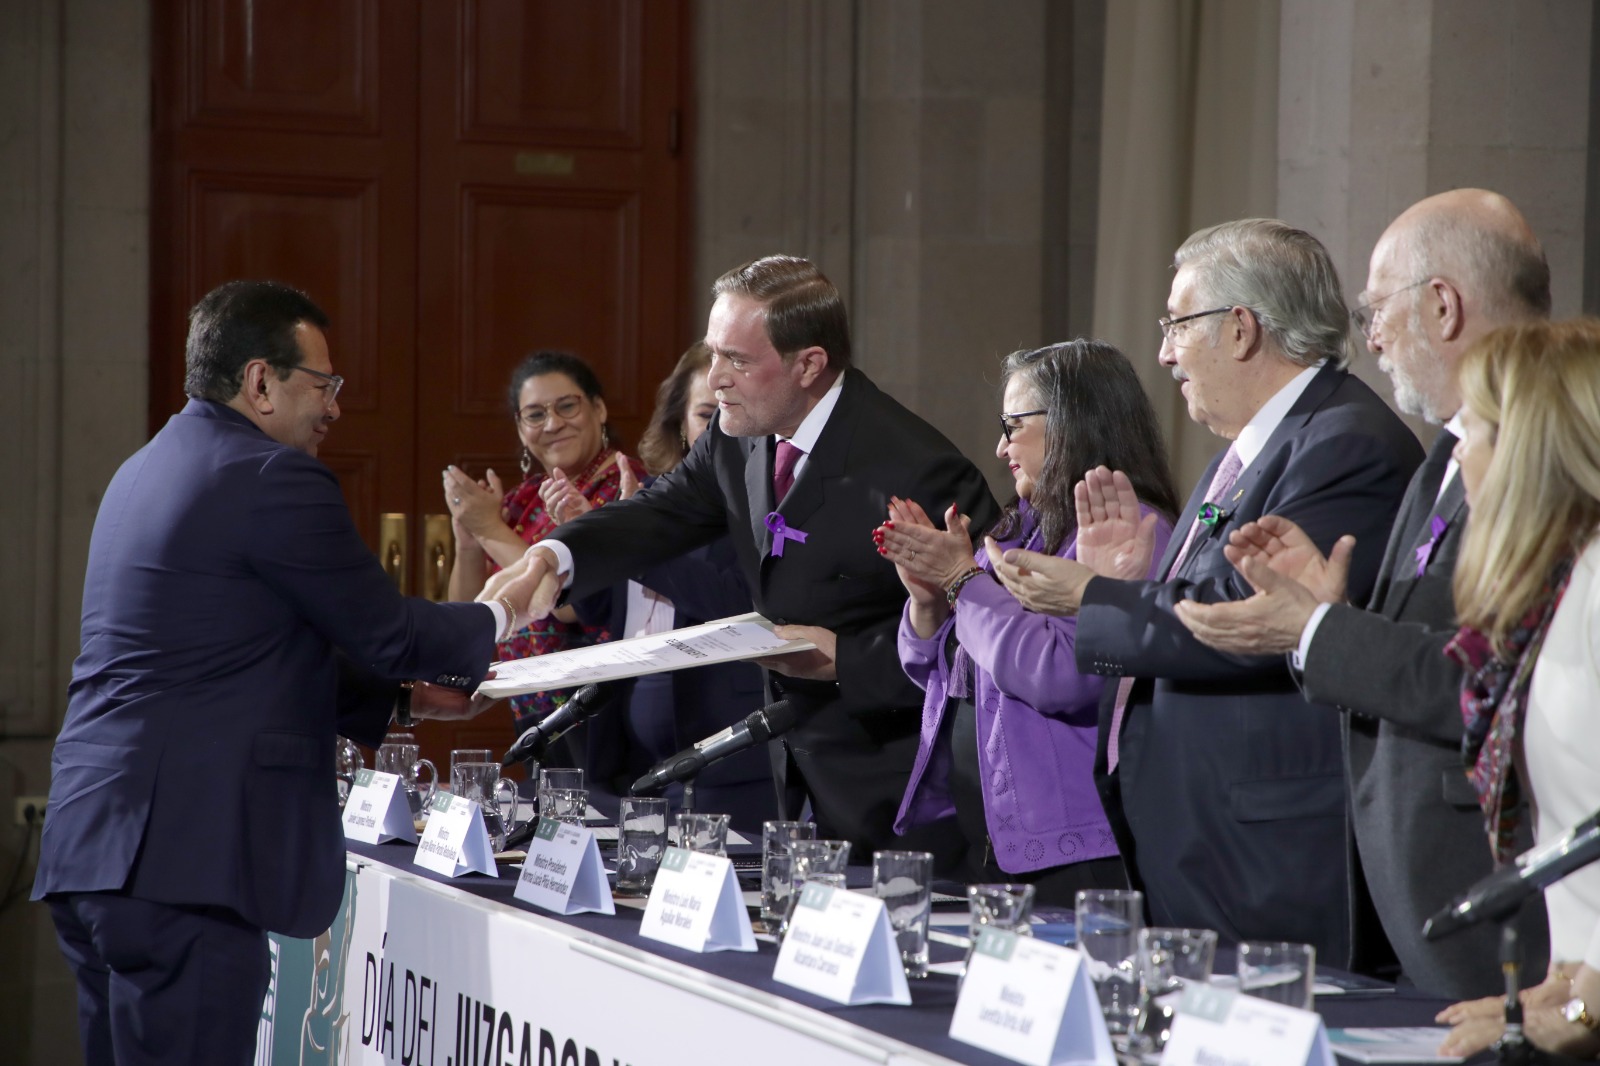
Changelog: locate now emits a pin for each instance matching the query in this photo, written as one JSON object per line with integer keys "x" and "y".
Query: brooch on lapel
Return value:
{"x": 1212, "y": 515}
{"x": 781, "y": 532}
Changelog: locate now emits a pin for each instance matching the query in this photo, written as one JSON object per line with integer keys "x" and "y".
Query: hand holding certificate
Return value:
{"x": 747, "y": 636}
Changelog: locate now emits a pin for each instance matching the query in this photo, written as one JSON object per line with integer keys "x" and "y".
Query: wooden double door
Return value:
{"x": 456, "y": 182}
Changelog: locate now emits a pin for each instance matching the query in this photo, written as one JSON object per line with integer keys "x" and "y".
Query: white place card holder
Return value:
{"x": 563, "y": 873}
{"x": 696, "y": 904}
{"x": 1215, "y": 1025}
{"x": 1032, "y": 1002}
{"x": 376, "y": 809}
{"x": 840, "y": 946}
{"x": 455, "y": 841}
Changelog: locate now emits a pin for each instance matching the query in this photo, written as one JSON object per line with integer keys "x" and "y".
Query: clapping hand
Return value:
{"x": 926, "y": 557}
{"x": 1114, "y": 539}
{"x": 474, "y": 506}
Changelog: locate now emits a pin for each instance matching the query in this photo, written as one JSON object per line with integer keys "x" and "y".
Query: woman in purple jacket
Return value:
{"x": 1008, "y": 724}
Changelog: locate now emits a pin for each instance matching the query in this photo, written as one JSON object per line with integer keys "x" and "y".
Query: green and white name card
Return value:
{"x": 1032, "y": 1002}
{"x": 1217, "y": 1025}
{"x": 376, "y": 809}
{"x": 455, "y": 841}
{"x": 696, "y": 904}
{"x": 563, "y": 872}
{"x": 840, "y": 947}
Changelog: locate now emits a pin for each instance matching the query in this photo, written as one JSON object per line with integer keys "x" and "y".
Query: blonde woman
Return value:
{"x": 1527, "y": 591}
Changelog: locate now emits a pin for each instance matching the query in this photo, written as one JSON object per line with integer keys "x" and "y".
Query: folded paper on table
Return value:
{"x": 745, "y": 636}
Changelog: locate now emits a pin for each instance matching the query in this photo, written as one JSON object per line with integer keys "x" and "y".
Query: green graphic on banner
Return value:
{"x": 304, "y": 1020}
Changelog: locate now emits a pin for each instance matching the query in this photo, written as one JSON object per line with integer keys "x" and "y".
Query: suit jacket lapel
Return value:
{"x": 828, "y": 459}
{"x": 1180, "y": 532}
{"x": 758, "y": 490}
{"x": 1412, "y": 523}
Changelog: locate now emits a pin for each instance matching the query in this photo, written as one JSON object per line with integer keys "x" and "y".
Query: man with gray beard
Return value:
{"x": 1450, "y": 269}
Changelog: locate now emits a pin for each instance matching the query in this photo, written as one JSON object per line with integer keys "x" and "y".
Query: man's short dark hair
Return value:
{"x": 239, "y": 321}
{"x": 804, "y": 310}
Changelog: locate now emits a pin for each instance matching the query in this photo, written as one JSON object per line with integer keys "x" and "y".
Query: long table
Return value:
{"x": 426, "y": 970}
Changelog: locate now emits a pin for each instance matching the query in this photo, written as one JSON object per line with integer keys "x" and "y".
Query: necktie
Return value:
{"x": 1222, "y": 483}
{"x": 783, "y": 470}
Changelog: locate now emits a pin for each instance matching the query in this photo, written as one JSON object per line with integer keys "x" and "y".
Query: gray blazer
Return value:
{"x": 1418, "y": 830}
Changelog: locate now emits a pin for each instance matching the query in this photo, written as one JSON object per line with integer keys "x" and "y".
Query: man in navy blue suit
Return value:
{"x": 233, "y": 622}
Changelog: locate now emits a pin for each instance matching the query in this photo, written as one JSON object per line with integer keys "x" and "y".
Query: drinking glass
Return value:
{"x": 1169, "y": 961}
{"x": 461, "y": 755}
{"x": 1007, "y": 907}
{"x": 641, "y": 841}
{"x": 481, "y": 782}
{"x": 777, "y": 879}
{"x": 402, "y": 760}
{"x": 904, "y": 881}
{"x": 808, "y": 858}
{"x": 705, "y": 833}
{"x": 347, "y": 760}
{"x": 1108, "y": 923}
{"x": 1280, "y": 971}
{"x": 567, "y": 805}
{"x": 557, "y": 777}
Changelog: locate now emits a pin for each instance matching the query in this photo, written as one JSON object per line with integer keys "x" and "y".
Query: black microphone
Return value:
{"x": 533, "y": 743}
{"x": 1498, "y": 896}
{"x": 758, "y": 727}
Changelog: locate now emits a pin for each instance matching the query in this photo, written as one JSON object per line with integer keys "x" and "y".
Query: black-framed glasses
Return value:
{"x": 534, "y": 416}
{"x": 1365, "y": 316}
{"x": 330, "y": 391}
{"x": 1011, "y": 423}
{"x": 1168, "y": 324}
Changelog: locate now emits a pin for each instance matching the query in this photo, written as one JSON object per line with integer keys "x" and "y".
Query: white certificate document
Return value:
{"x": 745, "y": 636}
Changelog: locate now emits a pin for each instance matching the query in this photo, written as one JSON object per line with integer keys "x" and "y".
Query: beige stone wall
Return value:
{"x": 74, "y": 263}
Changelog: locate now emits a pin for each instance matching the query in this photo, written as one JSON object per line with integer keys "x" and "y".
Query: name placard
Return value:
{"x": 1032, "y": 1002}
{"x": 563, "y": 873}
{"x": 696, "y": 904}
{"x": 376, "y": 809}
{"x": 840, "y": 947}
{"x": 455, "y": 841}
{"x": 1216, "y": 1025}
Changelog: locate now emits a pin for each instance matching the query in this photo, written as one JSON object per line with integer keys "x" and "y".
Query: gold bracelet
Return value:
{"x": 511, "y": 616}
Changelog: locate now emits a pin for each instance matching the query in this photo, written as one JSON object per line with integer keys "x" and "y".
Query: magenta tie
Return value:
{"x": 783, "y": 470}
{"x": 1221, "y": 484}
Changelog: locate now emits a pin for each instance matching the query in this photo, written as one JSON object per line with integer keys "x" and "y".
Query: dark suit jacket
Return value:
{"x": 855, "y": 746}
{"x": 1229, "y": 799}
{"x": 196, "y": 762}
{"x": 1416, "y": 819}
{"x": 693, "y": 704}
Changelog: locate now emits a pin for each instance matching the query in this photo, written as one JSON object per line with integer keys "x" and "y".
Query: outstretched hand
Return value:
{"x": 1047, "y": 584}
{"x": 1268, "y": 622}
{"x": 1114, "y": 538}
{"x": 1287, "y": 550}
{"x": 530, "y": 586}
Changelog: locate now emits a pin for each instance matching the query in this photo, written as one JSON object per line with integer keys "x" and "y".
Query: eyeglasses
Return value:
{"x": 535, "y": 416}
{"x": 1011, "y": 423}
{"x": 1169, "y": 324}
{"x": 1365, "y": 316}
{"x": 330, "y": 391}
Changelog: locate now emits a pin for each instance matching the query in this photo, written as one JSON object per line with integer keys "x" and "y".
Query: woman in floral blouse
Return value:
{"x": 568, "y": 466}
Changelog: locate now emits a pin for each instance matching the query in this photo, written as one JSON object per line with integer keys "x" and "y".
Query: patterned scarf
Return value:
{"x": 1494, "y": 699}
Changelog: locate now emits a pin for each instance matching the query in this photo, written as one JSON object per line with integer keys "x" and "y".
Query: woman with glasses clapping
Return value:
{"x": 1008, "y": 724}
{"x": 569, "y": 467}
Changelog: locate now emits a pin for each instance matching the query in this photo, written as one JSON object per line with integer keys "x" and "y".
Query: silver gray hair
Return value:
{"x": 1283, "y": 275}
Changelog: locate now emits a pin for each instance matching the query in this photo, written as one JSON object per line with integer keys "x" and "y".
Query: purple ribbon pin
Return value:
{"x": 781, "y": 532}
{"x": 1425, "y": 551}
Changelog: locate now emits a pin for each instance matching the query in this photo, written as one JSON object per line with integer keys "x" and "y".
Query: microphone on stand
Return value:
{"x": 534, "y": 742}
{"x": 756, "y": 728}
{"x": 1498, "y": 896}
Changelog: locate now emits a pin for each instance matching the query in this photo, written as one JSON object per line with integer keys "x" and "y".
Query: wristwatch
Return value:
{"x": 1576, "y": 1011}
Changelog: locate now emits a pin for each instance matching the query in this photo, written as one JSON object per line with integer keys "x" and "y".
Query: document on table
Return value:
{"x": 1420, "y": 1044}
{"x": 745, "y": 636}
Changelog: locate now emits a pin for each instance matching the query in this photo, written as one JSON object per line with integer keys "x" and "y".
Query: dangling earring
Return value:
{"x": 683, "y": 441}
{"x": 605, "y": 436}
{"x": 525, "y": 461}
